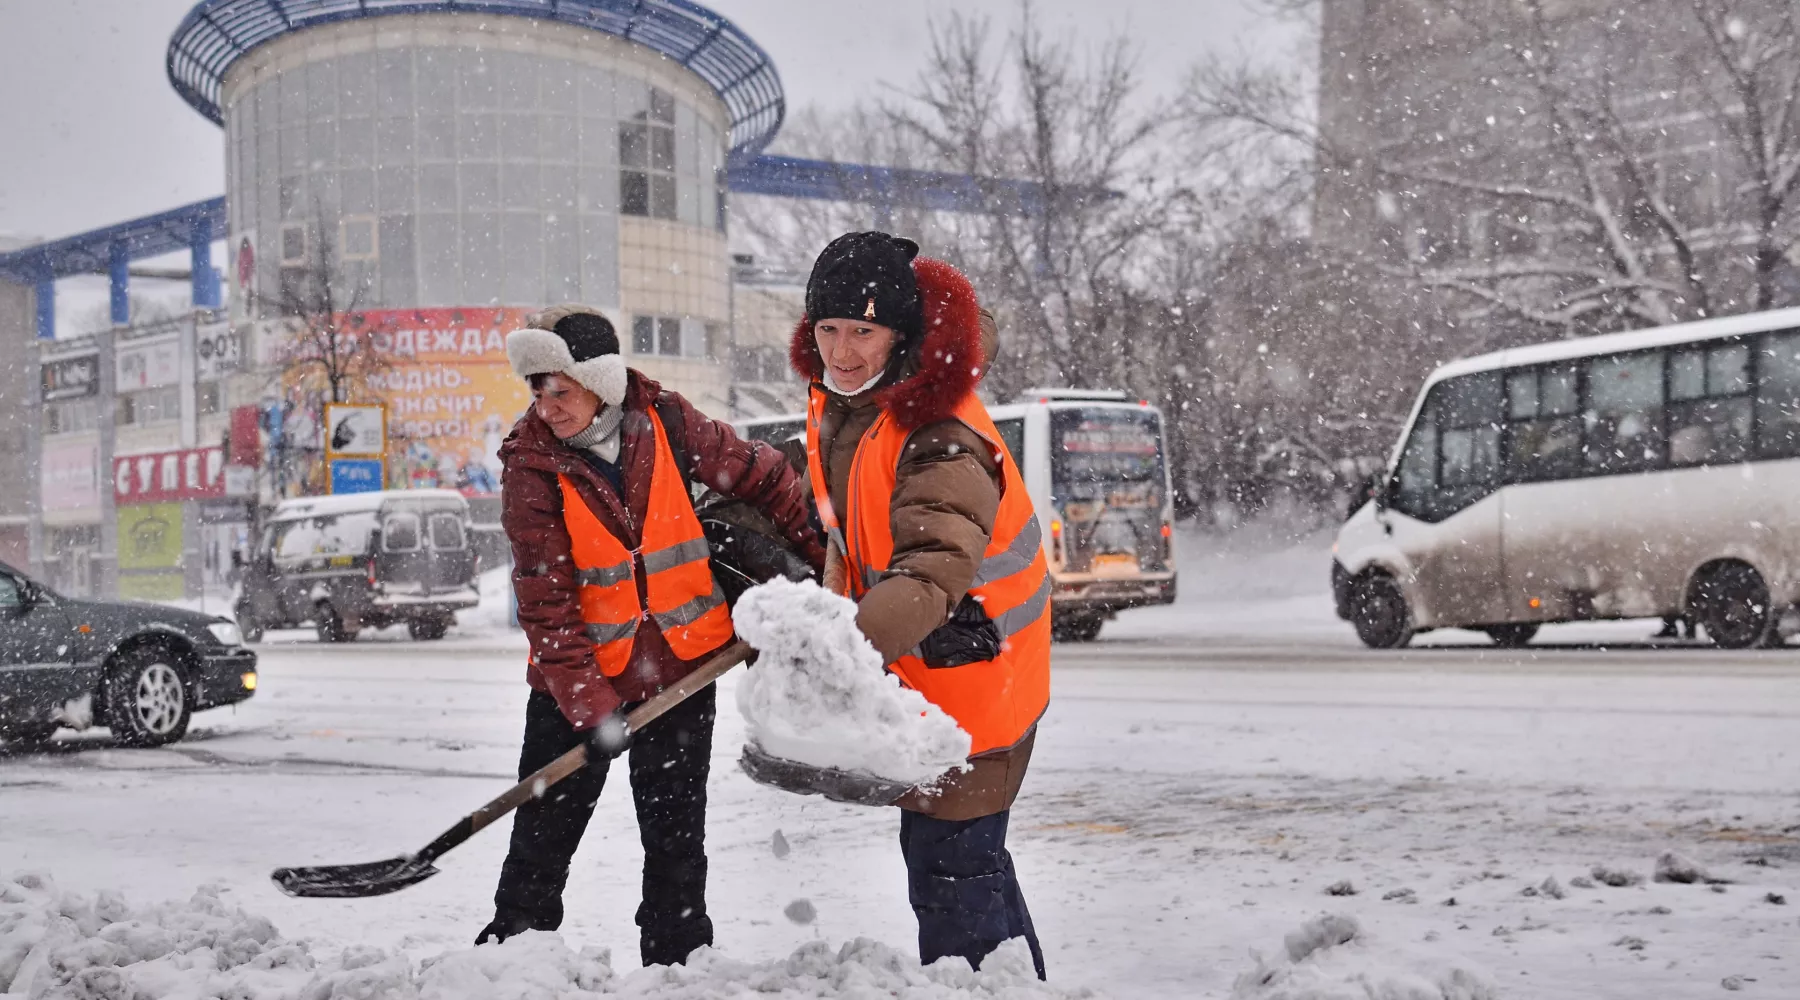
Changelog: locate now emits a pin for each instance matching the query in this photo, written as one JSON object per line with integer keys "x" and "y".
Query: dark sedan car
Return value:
{"x": 142, "y": 670}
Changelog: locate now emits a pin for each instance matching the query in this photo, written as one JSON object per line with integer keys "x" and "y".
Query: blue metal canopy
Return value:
{"x": 217, "y": 33}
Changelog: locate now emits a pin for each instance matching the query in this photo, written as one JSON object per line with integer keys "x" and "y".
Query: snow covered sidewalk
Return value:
{"x": 56, "y": 944}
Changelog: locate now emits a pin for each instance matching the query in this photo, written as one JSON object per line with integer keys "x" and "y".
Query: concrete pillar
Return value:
{"x": 46, "y": 309}
{"x": 106, "y": 572}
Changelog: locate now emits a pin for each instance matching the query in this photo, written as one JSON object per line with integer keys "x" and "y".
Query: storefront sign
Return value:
{"x": 356, "y": 475}
{"x": 218, "y": 351}
{"x": 71, "y": 477}
{"x": 355, "y": 430}
{"x": 190, "y": 474}
{"x": 70, "y": 378}
{"x": 149, "y": 364}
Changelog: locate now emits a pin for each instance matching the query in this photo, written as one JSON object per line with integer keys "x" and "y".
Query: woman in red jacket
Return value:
{"x": 615, "y": 594}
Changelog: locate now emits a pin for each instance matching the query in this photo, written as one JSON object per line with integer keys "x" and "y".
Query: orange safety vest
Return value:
{"x": 679, "y": 594}
{"x": 995, "y": 701}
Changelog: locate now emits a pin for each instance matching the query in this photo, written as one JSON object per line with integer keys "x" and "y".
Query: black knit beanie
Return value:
{"x": 868, "y": 276}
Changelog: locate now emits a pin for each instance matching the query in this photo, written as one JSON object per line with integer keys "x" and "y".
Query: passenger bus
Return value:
{"x": 1095, "y": 465}
{"x": 1634, "y": 475}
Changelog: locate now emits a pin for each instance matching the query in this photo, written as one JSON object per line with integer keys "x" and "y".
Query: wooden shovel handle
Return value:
{"x": 641, "y": 716}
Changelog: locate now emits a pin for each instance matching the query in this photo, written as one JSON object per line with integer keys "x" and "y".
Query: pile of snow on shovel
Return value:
{"x": 818, "y": 694}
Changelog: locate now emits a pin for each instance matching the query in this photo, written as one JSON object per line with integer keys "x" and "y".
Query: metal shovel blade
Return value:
{"x": 374, "y": 878}
{"x": 853, "y": 787}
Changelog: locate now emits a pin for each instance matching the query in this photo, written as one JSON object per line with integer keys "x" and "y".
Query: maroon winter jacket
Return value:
{"x": 562, "y": 656}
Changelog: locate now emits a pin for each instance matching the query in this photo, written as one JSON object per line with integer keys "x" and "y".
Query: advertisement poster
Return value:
{"x": 148, "y": 364}
{"x": 150, "y": 552}
{"x": 71, "y": 478}
{"x": 451, "y": 395}
{"x": 356, "y": 429}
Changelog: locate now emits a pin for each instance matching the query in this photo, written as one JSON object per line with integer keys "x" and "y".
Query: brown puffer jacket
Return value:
{"x": 941, "y": 516}
{"x": 532, "y": 457}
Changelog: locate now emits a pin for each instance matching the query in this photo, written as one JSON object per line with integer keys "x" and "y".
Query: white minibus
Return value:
{"x": 1635, "y": 475}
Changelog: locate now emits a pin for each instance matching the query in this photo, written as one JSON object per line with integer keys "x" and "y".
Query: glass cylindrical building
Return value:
{"x": 443, "y": 168}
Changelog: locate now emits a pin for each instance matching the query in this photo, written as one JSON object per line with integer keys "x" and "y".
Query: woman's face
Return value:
{"x": 855, "y": 351}
{"x": 564, "y": 404}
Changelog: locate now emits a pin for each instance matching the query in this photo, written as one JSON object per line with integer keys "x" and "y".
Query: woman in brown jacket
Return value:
{"x": 930, "y": 526}
{"x": 596, "y": 462}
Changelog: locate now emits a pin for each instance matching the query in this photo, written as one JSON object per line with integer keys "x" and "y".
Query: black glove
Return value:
{"x": 610, "y": 738}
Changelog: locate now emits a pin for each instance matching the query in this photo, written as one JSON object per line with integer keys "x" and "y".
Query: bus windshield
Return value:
{"x": 1101, "y": 448}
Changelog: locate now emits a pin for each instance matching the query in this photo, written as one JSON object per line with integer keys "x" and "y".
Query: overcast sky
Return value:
{"x": 91, "y": 132}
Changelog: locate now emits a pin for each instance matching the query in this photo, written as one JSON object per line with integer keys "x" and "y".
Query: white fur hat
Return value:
{"x": 576, "y": 341}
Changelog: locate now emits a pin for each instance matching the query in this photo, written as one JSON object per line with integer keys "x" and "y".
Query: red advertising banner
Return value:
{"x": 166, "y": 476}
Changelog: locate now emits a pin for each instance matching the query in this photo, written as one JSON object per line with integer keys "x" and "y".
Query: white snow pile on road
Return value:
{"x": 1330, "y": 958}
{"x": 818, "y": 694}
{"x": 56, "y": 945}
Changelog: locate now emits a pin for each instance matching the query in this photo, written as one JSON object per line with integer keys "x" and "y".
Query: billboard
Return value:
{"x": 451, "y": 395}
{"x": 71, "y": 477}
{"x": 157, "y": 477}
{"x": 150, "y": 552}
{"x": 148, "y": 364}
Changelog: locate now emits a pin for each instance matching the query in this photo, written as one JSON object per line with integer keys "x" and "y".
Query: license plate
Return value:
{"x": 1115, "y": 560}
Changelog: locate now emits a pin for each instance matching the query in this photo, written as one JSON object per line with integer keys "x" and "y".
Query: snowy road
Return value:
{"x": 1192, "y": 800}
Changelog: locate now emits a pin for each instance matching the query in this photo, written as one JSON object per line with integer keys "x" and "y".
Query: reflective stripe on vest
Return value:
{"x": 678, "y": 594}
{"x": 996, "y": 701}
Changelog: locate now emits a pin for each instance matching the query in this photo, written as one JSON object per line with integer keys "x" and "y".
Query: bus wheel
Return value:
{"x": 1733, "y": 604}
{"x": 1074, "y": 629}
{"x": 1512, "y": 636}
{"x": 1380, "y": 614}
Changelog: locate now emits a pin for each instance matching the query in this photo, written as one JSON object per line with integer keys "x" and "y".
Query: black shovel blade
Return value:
{"x": 376, "y": 878}
{"x": 837, "y": 785}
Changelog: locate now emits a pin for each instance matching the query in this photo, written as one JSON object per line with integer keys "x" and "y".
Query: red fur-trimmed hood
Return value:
{"x": 940, "y": 368}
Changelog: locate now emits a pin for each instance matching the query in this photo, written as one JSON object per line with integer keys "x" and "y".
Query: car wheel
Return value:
{"x": 1379, "y": 612}
{"x": 147, "y": 702}
{"x": 1734, "y": 607}
{"x": 330, "y": 624}
{"x": 249, "y": 625}
{"x": 428, "y": 629}
{"x": 28, "y": 735}
{"x": 1512, "y": 636}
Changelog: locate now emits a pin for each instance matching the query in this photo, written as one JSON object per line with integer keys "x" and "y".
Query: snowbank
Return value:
{"x": 818, "y": 694}
{"x": 57, "y": 945}
{"x": 1330, "y": 958}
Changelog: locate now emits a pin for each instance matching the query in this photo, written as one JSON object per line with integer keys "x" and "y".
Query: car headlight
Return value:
{"x": 227, "y": 633}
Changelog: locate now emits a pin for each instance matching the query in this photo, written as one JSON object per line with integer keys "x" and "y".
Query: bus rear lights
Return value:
{"x": 1535, "y": 603}
{"x": 1166, "y": 530}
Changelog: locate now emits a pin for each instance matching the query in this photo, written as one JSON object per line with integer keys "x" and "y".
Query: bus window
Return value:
{"x": 1012, "y": 434}
{"x": 1095, "y": 449}
{"x": 1452, "y": 458}
{"x": 1543, "y": 431}
{"x": 1625, "y": 403}
{"x": 1778, "y": 396}
{"x": 1709, "y": 404}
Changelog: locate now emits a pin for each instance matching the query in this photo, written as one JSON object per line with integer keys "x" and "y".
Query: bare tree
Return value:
{"x": 1541, "y": 166}
{"x": 319, "y": 353}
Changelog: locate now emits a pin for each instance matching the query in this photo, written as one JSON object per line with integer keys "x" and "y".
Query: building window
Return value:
{"x": 660, "y": 335}
{"x": 149, "y": 406}
{"x": 71, "y": 416}
{"x": 356, "y": 238}
{"x": 647, "y": 160}
{"x": 293, "y": 245}
{"x": 210, "y": 397}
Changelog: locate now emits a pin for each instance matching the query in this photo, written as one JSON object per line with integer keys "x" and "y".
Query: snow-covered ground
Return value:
{"x": 1220, "y": 797}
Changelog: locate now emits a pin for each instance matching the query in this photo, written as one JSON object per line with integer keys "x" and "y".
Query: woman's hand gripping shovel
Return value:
{"x": 377, "y": 878}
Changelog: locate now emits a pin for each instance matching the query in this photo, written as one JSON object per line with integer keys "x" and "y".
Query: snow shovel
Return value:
{"x": 855, "y": 787}
{"x": 378, "y": 878}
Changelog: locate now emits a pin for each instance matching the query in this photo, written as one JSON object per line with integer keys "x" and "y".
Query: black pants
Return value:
{"x": 963, "y": 888}
{"x": 669, "y": 761}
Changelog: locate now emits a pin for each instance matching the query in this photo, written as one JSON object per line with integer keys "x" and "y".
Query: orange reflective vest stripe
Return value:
{"x": 679, "y": 594}
{"x": 995, "y": 701}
